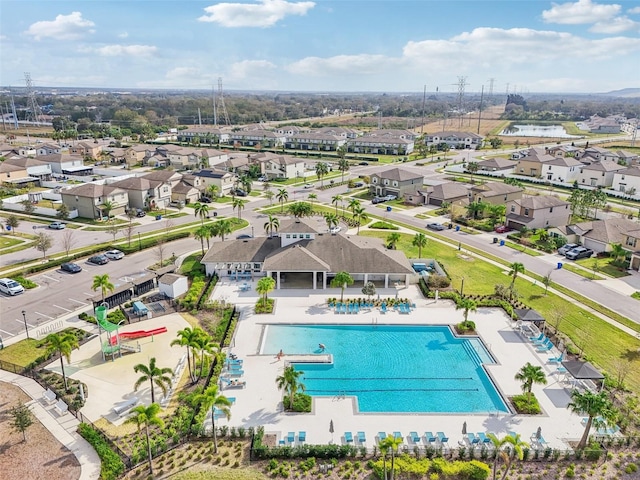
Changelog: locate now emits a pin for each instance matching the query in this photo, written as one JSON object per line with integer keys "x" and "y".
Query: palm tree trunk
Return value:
{"x": 213, "y": 429}
{"x": 189, "y": 362}
{"x": 146, "y": 430}
{"x": 585, "y": 435}
{"x": 384, "y": 465}
{"x": 393, "y": 458}
{"x": 202, "y": 245}
{"x": 64, "y": 377}
{"x": 153, "y": 399}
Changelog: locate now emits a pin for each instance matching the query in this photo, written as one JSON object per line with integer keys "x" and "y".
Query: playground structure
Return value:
{"x": 114, "y": 346}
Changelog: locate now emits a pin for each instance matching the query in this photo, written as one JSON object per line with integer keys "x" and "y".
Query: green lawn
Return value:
{"x": 604, "y": 266}
{"x": 604, "y": 344}
{"x": 521, "y": 248}
{"x": 6, "y": 241}
{"x": 22, "y": 353}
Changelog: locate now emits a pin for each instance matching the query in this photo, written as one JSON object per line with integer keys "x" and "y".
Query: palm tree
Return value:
{"x": 239, "y": 204}
{"x": 206, "y": 346}
{"x": 300, "y": 209}
{"x": 335, "y": 200}
{"x": 102, "y": 283}
{"x": 200, "y": 234}
{"x": 62, "y": 343}
{"x": 289, "y": 382}
{"x": 155, "y": 375}
{"x": 271, "y": 224}
{"x": 224, "y": 228}
{"x": 321, "y": 170}
{"x": 472, "y": 167}
{"x": 384, "y": 449}
{"x": 332, "y": 220}
{"x": 147, "y": 416}
{"x": 187, "y": 338}
{"x": 282, "y": 196}
{"x": 467, "y": 305}
{"x": 507, "y": 448}
{"x": 107, "y": 206}
{"x": 312, "y": 197}
{"x": 596, "y": 406}
{"x": 475, "y": 208}
{"x": 496, "y": 214}
{"x": 515, "y": 269}
{"x": 353, "y": 204}
{"x": 200, "y": 210}
{"x": 341, "y": 280}
{"x": 392, "y": 240}
{"x": 617, "y": 251}
{"x": 212, "y": 190}
{"x": 420, "y": 240}
{"x": 211, "y": 399}
{"x": 528, "y": 375}
{"x": 392, "y": 443}
{"x": 359, "y": 215}
{"x": 343, "y": 164}
{"x": 264, "y": 286}
{"x": 269, "y": 194}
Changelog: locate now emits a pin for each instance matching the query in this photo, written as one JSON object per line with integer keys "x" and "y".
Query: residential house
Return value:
{"x": 599, "y": 235}
{"x": 610, "y": 124}
{"x": 497, "y": 164}
{"x": 538, "y": 212}
{"x": 188, "y": 190}
{"x": 14, "y": 174}
{"x": 89, "y": 199}
{"x": 206, "y": 134}
{"x": 139, "y": 190}
{"x": 278, "y": 166}
{"x": 598, "y": 174}
{"x": 237, "y": 163}
{"x": 632, "y": 243}
{"x": 455, "y": 140}
{"x": 290, "y": 130}
{"x": 136, "y": 154}
{"x": 163, "y": 182}
{"x": 382, "y": 143}
{"x": 561, "y": 169}
{"x": 303, "y": 257}
{"x": 37, "y": 169}
{"x": 627, "y": 158}
{"x": 395, "y": 181}
{"x": 115, "y": 155}
{"x": 48, "y": 149}
{"x": 88, "y": 150}
{"x": 259, "y": 136}
{"x": 454, "y": 193}
{"x": 627, "y": 180}
{"x": 591, "y": 154}
{"x": 212, "y": 157}
{"x": 27, "y": 151}
{"x": 222, "y": 179}
{"x": 186, "y": 157}
{"x": 314, "y": 141}
{"x": 63, "y": 164}
{"x": 495, "y": 193}
{"x": 343, "y": 132}
{"x": 531, "y": 163}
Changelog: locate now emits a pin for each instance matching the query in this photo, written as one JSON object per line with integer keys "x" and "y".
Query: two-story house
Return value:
{"x": 598, "y": 174}
{"x": 538, "y": 212}
{"x": 14, "y": 174}
{"x": 205, "y": 135}
{"x": 383, "y": 144}
{"x": 135, "y": 154}
{"x": 223, "y": 180}
{"x": 395, "y": 181}
{"x": 632, "y": 244}
{"x": 497, "y": 164}
{"x": 63, "y": 164}
{"x": 86, "y": 150}
{"x": 561, "y": 169}
{"x": 251, "y": 138}
{"x": 278, "y": 166}
{"x": 90, "y": 198}
{"x": 627, "y": 180}
{"x": 314, "y": 141}
{"x": 531, "y": 162}
{"x": 455, "y": 140}
{"x": 599, "y": 235}
{"x": 495, "y": 193}
{"x": 48, "y": 149}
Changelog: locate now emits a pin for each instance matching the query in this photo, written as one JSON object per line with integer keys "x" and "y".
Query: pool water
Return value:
{"x": 392, "y": 368}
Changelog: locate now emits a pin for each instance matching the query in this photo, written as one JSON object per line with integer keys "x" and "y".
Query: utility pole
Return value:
{"x": 424, "y": 99}
{"x": 480, "y": 109}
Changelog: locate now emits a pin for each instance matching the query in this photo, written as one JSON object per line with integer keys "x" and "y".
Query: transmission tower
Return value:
{"x": 491, "y": 82}
{"x": 219, "y": 106}
{"x": 462, "y": 83}
{"x": 34, "y": 113}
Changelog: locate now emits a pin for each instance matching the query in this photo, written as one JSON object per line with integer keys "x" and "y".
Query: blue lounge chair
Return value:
{"x": 361, "y": 437}
{"x": 537, "y": 338}
{"x": 429, "y": 437}
{"x": 343, "y": 309}
{"x": 234, "y": 373}
{"x": 544, "y": 339}
{"x": 348, "y": 437}
{"x": 442, "y": 438}
{"x": 382, "y": 435}
{"x": 415, "y": 438}
{"x": 558, "y": 359}
{"x": 232, "y": 400}
{"x": 234, "y": 366}
{"x": 483, "y": 437}
{"x": 545, "y": 348}
{"x": 512, "y": 434}
{"x": 291, "y": 437}
{"x": 383, "y": 308}
{"x": 473, "y": 440}
{"x": 397, "y": 435}
{"x": 302, "y": 436}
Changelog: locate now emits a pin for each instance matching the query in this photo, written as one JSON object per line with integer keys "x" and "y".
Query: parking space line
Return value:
{"x": 78, "y": 301}
{"x": 89, "y": 294}
{"x": 43, "y": 315}
{"x": 21, "y": 322}
{"x": 8, "y": 333}
{"x": 50, "y": 278}
{"x": 62, "y": 308}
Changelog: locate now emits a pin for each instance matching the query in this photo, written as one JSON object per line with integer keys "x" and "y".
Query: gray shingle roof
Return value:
{"x": 542, "y": 201}
{"x": 398, "y": 174}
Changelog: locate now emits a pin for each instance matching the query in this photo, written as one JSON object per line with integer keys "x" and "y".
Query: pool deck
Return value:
{"x": 259, "y": 402}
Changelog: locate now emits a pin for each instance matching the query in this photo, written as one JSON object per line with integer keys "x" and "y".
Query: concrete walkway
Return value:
{"x": 62, "y": 427}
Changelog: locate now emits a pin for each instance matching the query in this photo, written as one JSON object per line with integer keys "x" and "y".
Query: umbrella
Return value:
{"x": 464, "y": 428}
{"x": 539, "y": 433}
{"x": 331, "y": 430}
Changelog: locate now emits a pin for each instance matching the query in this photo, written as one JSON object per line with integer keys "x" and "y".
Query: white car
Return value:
{"x": 334, "y": 230}
{"x": 114, "y": 255}
{"x": 10, "y": 287}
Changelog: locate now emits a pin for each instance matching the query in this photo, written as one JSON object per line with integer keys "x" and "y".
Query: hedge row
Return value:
{"x": 405, "y": 465}
{"x": 111, "y": 466}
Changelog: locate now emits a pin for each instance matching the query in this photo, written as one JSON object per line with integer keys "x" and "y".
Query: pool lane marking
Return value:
{"x": 21, "y": 322}
{"x": 42, "y": 314}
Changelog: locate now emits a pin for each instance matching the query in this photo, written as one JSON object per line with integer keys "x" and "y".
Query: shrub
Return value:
{"x": 523, "y": 404}
{"x": 111, "y": 465}
{"x": 301, "y": 403}
{"x": 264, "y": 307}
{"x": 384, "y": 226}
{"x": 438, "y": 281}
{"x": 25, "y": 282}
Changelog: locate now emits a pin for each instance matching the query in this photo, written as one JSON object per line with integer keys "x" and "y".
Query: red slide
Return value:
{"x": 137, "y": 334}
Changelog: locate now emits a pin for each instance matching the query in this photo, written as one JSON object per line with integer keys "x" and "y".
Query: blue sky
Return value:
{"x": 323, "y": 45}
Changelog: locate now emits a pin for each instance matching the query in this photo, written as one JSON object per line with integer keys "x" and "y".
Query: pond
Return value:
{"x": 549, "y": 131}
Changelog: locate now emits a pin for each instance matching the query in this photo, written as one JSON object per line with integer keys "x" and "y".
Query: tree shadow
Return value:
{"x": 631, "y": 355}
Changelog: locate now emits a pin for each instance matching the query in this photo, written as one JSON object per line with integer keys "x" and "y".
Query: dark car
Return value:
{"x": 363, "y": 163}
{"x": 140, "y": 213}
{"x": 502, "y": 229}
{"x": 71, "y": 267}
{"x": 578, "y": 253}
{"x": 435, "y": 226}
{"x": 204, "y": 199}
{"x": 358, "y": 184}
{"x": 98, "y": 260}
{"x": 239, "y": 192}
{"x": 244, "y": 236}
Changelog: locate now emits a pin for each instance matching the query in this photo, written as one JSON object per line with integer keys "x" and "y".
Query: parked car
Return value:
{"x": 358, "y": 184}
{"x": 579, "y": 252}
{"x": 98, "y": 260}
{"x": 563, "y": 250}
{"x": 391, "y": 197}
{"x": 205, "y": 199}
{"x": 239, "y": 192}
{"x": 243, "y": 236}
{"x": 308, "y": 185}
{"x": 57, "y": 226}
{"x": 10, "y": 287}
{"x": 363, "y": 163}
{"x": 140, "y": 213}
{"x": 114, "y": 255}
{"x": 378, "y": 200}
{"x": 263, "y": 178}
{"x": 435, "y": 226}
{"x": 502, "y": 229}
{"x": 71, "y": 267}
{"x": 334, "y": 230}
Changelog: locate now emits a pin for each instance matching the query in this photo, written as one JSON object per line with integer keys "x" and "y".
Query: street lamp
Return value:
{"x": 462, "y": 288}
{"x": 26, "y": 327}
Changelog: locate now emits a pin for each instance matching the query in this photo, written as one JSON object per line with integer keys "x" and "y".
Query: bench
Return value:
{"x": 61, "y": 407}
{"x": 48, "y": 396}
{"x": 122, "y": 408}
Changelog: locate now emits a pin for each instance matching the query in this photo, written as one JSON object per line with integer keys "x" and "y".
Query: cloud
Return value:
{"x": 615, "y": 25}
{"x": 250, "y": 68}
{"x": 634, "y": 10}
{"x": 265, "y": 13}
{"x": 128, "y": 50}
{"x": 64, "y": 27}
{"x": 123, "y": 35}
{"x": 364, "y": 64}
{"x": 580, "y": 12}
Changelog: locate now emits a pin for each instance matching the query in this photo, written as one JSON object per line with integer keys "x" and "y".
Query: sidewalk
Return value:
{"x": 62, "y": 427}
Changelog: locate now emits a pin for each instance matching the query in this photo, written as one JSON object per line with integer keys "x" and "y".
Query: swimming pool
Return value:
{"x": 392, "y": 368}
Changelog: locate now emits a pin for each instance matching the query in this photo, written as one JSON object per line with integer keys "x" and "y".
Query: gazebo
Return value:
{"x": 529, "y": 315}
{"x": 583, "y": 371}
